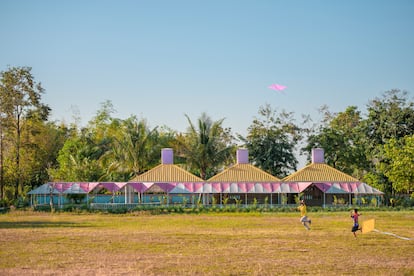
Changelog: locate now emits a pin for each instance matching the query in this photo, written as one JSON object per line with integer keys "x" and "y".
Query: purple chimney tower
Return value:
{"x": 242, "y": 156}
{"x": 167, "y": 156}
{"x": 318, "y": 155}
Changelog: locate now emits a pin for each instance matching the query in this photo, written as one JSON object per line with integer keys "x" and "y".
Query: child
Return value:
{"x": 354, "y": 216}
{"x": 304, "y": 218}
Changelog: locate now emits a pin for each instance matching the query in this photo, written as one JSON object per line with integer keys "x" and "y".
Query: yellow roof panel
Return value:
{"x": 243, "y": 173}
{"x": 167, "y": 173}
{"x": 320, "y": 172}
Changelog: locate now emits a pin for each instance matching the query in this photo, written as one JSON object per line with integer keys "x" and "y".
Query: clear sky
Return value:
{"x": 161, "y": 59}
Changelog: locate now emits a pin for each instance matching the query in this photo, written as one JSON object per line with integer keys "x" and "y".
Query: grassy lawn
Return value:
{"x": 204, "y": 244}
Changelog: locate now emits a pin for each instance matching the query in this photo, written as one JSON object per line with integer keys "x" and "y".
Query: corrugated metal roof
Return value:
{"x": 167, "y": 173}
{"x": 44, "y": 189}
{"x": 243, "y": 173}
{"x": 320, "y": 172}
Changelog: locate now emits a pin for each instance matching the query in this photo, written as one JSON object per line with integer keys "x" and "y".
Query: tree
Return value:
{"x": 79, "y": 160}
{"x": 135, "y": 148}
{"x": 400, "y": 166}
{"x": 82, "y": 155}
{"x": 20, "y": 102}
{"x": 389, "y": 117}
{"x": 341, "y": 137}
{"x": 110, "y": 149}
{"x": 206, "y": 148}
{"x": 271, "y": 141}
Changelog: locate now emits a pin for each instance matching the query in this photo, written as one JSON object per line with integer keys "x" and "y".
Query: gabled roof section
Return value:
{"x": 320, "y": 172}
{"x": 167, "y": 173}
{"x": 243, "y": 173}
{"x": 44, "y": 189}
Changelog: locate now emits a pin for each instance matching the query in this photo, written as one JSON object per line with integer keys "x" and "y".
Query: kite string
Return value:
{"x": 391, "y": 234}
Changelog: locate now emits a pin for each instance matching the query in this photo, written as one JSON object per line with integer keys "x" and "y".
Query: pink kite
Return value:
{"x": 277, "y": 87}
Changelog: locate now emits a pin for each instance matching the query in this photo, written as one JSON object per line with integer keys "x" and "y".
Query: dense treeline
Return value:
{"x": 376, "y": 147}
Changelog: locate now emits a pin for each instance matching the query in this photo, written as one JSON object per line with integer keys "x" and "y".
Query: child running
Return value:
{"x": 304, "y": 218}
{"x": 354, "y": 216}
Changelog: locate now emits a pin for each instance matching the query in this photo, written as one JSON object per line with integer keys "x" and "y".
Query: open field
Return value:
{"x": 205, "y": 244}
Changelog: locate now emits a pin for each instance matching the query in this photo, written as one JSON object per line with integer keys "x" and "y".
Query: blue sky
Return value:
{"x": 160, "y": 59}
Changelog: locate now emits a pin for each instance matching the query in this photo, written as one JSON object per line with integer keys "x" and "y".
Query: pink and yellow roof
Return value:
{"x": 243, "y": 172}
{"x": 327, "y": 178}
{"x": 167, "y": 171}
{"x": 319, "y": 172}
{"x": 240, "y": 178}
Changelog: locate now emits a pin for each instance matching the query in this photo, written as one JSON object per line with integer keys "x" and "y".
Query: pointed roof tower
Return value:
{"x": 318, "y": 171}
{"x": 166, "y": 171}
{"x": 243, "y": 171}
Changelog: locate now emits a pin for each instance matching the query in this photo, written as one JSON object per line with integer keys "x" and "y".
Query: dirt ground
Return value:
{"x": 206, "y": 244}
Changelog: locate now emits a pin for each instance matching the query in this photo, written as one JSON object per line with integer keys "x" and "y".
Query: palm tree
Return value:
{"x": 206, "y": 148}
{"x": 135, "y": 149}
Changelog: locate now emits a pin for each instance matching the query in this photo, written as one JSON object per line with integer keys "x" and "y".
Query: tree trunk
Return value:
{"x": 18, "y": 134}
{"x": 1, "y": 164}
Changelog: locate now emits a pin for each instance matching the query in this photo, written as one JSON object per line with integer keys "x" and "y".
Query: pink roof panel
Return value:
{"x": 289, "y": 188}
{"x": 303, "y": 185}
{"x": 250, "y": 188}
{"x": 336, "y": 189}
{"x": 323, "y": 186}
{"x": 112, "y": 186}
{"x": 216, "y": 187}
{"x": 189, "y": 187}
{"x": 166, "y": 187}
{"x": 140, "y": 186}
{"x": 181, "y": 188}
{"x": 275, "y": 187}
{"x": 225, "y": 187}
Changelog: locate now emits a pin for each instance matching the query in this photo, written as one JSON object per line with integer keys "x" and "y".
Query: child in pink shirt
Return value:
{"x": 354, "y": 216}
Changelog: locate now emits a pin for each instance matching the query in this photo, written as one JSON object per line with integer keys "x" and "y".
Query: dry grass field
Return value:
{"x": 203, "y": 244}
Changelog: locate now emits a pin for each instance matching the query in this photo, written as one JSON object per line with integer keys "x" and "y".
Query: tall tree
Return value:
{"x": 205, "y": 148}
{"x": 81, "y": 157}
{"x": 341, "y": 137}
{"x": 400, "y": 166}
{"x": 389, "y": 117}
{"x": 44, "y": 149}
{"x": 79, "y": 160}
{"x": 135, "y": 148}
{"x": 20, "y": 102}
{"x": 271, "y": 141}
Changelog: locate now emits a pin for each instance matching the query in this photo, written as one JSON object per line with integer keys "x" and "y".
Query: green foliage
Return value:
{"x": 399, "y": 164}
{"x": 239, "y": 202}
{"x": 390, "y": 119}
{"x": 225, "y": 200}
{"x": 205, "y": 148}
{"x": 135, "y": 148}
{"x": 374, "y": 149}
{"x": 377, "y": 149}
{"x": 254, "y": 203}
{"x": 271, "y": 141}
{"x": 110, "y": 149}
{"x": 298, "y": 198}
{"x": 78, "y": 161}
{"x": 21, "y": 115}
{"x": 341, "y": 137}
{"x": 214, "y": 202}
{"x": 284, "y": 199}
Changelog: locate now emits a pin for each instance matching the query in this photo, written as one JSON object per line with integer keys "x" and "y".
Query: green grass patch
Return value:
{"x": 180, "y": 243}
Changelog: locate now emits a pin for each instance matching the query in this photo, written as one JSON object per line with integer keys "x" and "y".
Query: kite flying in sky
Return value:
{"x": 277, "y": 87}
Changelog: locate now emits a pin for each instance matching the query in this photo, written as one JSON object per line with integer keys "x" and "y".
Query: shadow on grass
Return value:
{"x": 39, "y": 224}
